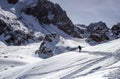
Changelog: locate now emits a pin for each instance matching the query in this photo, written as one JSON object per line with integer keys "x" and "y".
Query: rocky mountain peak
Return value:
{"x": 49, "y": 13}
{"x": 98, "y": 32}
{"x": 97, "y": 26}
{"x": 19, "y": 17}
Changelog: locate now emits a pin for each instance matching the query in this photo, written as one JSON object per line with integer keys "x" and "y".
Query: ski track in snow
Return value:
{"x": 84, "y": 67}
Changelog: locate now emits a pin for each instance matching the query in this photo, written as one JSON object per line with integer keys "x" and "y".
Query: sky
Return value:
{"x": 90, "y": 11}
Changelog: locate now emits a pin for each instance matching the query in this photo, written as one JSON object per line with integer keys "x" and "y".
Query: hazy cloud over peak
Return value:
{"x": 87, "y": 11}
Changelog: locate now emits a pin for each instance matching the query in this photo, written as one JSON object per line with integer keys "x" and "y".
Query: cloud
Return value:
{"x": 87, "y": 11}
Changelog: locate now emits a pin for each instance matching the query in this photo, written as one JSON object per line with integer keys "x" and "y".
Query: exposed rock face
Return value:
{"x": 47, "y": 47}
{"x": 116, "y": 31}
{"x": 16, "y": 30}
{"x": 4, "y": 28}
{"x": 48, "y": 13}
{"x": 14, "y": 37}
{"x": 99, "y": 32}
{"x": 18, "y": 37}
{"x": 12, "y": 1}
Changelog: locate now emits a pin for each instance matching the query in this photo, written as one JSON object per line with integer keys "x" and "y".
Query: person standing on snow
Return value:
{"x": 79, "y": 47}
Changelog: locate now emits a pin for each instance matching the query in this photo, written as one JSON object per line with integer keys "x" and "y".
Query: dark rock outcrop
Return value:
{"x": 47, "y": 47}
{"x": 15, "y": 37}
{"x": 4, "y": 28}
{"x": 116, "y": 31}
{"x": 99, "y": 32}
{"x": 12, "y": 1}
{"x": 48, "y": 13}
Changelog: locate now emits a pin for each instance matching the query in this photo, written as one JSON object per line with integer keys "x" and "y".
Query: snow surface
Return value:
{"x": 93, "y": 62}
{"x": 20, "y": 62}
{"x": 14, "y": 56}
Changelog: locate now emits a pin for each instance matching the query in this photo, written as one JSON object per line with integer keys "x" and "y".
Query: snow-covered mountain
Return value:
{"x": 31, "y": 20}
{"x": 33, "y": 30}
{"x": 28, "y": 21}
{"x": 97, "y": 33}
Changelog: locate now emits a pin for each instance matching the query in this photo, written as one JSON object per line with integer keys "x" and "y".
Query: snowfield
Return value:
{"x": 93, "y": 62}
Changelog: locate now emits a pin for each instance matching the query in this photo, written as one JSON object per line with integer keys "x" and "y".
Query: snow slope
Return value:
{"x": 94, "y": 62}
{"x": 14, "y": 56}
